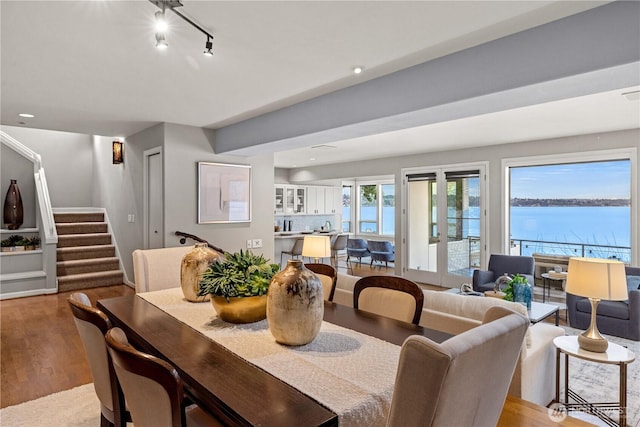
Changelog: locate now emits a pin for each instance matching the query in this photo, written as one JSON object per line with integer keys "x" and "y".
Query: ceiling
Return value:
{"x": 91, "y": 66}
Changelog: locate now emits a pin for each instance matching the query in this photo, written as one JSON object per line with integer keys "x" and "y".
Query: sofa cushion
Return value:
{"x": 617, "y": 309}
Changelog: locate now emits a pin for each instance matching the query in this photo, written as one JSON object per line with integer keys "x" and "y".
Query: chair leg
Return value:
{"x": 104, "y": 422}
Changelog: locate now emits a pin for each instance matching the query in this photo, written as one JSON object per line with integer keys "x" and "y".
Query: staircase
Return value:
{"x": 85, "y": 257}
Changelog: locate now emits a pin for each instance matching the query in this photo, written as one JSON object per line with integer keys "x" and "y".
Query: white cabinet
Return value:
{"x": 289, "y": 200}
{"x": 332, "y": 200}
{"x": 315, "y": 200}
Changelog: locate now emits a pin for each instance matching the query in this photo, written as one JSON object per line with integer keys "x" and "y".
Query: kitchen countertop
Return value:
{"x": 300, "y": 234}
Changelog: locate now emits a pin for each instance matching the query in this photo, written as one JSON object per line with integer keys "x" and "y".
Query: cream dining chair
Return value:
{"x": 328, "y": 277}
{"x": 92, "y": 324}
{"x": 156, "y": 269}
{"x": 461, "y": 382}
{"x": 390, "y": 296}
{"x": 152, "y": 387}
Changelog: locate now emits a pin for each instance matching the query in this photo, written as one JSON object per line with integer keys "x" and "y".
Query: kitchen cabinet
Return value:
{"x": 289, "y": 200}
{"x": 315, "y": 200}
{"x": 332, "y": 200}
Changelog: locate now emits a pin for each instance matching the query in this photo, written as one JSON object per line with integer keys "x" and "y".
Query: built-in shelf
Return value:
{"x": 12, "y": 253}
{"x": 19, "y": 231}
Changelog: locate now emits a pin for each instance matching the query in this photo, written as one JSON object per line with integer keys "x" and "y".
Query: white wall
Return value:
{"x": 494, "y": 155}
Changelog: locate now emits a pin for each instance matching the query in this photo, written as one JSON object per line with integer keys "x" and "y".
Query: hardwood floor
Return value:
{"x": 41, "y": 352}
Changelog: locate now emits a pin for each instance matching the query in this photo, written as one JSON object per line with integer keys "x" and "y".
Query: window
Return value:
{"x": 346, "y": 208}
{"x": 580, "y": 208}
{"x": 369, "y": 209}
{"x": 376, "y": 208}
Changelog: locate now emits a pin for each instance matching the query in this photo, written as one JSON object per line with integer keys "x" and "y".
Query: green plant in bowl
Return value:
{"x": 241, "y": 274}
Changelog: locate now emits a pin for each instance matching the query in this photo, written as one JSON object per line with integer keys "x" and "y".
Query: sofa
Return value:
{"x": 618, "y": 318}
{"x": 534, "y": 377}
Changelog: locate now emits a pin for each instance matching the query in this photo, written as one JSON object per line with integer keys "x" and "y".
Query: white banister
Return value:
{"x": 46, "y": 210}
{"x": 22, "y": 149}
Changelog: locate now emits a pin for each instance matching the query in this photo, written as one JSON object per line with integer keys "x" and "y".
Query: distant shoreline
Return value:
{"x": 518, "y": 202}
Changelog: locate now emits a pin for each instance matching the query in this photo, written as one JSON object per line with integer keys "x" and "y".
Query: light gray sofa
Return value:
{"x": 534, "y": 377}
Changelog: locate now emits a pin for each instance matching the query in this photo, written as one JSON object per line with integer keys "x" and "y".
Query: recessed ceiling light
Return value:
{"x": 26, "y": 115}
{"x": 312, "y": 158}
{"x": 358, "y": 70}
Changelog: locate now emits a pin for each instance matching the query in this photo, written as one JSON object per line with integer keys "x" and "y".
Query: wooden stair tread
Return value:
{"x": 101, "y": 260}
{"x": 85, "y": 276}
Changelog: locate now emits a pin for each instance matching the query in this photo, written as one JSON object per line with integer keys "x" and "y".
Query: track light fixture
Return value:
{"x": 161, "y": 24}
{"x": 207, "y": 47}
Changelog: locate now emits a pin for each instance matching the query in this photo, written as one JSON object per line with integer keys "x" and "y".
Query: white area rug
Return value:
{"x": 79, "y": 407}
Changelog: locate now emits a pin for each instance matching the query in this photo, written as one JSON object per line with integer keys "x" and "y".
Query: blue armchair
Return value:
{"x": 619, "y": 318}
{"x": 357, "y": 248}
{"x": 485, "y": 280}
{"x": 381, "y": 251}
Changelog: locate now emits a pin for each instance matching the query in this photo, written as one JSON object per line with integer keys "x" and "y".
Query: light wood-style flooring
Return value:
{"x": 40, "y": 350}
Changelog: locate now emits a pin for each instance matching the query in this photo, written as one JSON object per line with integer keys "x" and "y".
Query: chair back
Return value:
{"x": 340, "y": 242}
{"x": 328, "y": 277}
{"x": 152, "y": 387}
{"x": 156, "y": 269}
{"x": 461, "y": 382}
{"x": 92, "y": 324}
{"x": 381, "y": 250}
{"x": 389, "y": 296}
{"x": 297, "y": 247}
{"x": 511, "y": 264}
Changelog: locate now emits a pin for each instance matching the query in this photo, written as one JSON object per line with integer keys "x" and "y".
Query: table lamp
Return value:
{"x": 317, "y": 247}
{"x": 596, "y": 279}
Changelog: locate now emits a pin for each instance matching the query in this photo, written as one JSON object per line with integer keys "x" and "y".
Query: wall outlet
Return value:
{"x": 257, "y": 243}
{"x": 131, "y": 218}
{"x": 249, "y": 243}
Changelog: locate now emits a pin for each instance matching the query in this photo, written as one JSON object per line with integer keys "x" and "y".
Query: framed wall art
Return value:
{"x": 224, "y": 193}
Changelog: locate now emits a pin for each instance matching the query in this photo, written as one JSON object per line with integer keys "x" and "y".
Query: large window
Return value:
{"x": 346, "y": 208}
{"x": 376, "y": 209}
{"x": 571, "y": 209}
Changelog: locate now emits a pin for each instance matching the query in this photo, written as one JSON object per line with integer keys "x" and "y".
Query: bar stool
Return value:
{"x": 294, "y": 252}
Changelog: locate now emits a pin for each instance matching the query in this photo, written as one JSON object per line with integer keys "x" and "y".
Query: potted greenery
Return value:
{"x": 32, "y": 243}
{"x": 238, "y": 286}
{"x": 14, "y": 243}
{"x": 519, "y": 290}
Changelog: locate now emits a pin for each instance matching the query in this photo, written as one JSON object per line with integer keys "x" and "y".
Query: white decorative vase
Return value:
{"x": 193, "y": 265}
{"x": 295, "y": 305}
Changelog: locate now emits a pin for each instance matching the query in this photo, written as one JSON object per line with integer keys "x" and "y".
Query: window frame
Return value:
{"x": 379, "y": 204}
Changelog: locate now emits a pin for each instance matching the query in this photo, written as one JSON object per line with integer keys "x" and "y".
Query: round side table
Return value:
{"x": 615, "y": 355}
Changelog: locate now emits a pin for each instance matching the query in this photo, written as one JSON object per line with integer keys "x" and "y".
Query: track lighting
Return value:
{"x": 207, "y": 47}
{"x": 161, "y": 24}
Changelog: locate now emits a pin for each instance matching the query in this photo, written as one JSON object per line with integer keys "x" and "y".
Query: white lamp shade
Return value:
{"x": 603, "y": 279}
{"x": 317, "y": 247}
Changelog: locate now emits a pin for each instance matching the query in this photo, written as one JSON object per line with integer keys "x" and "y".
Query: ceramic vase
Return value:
{"x": 522, "y": 293}
{"x": 193, "y": 265}
{"x": 241, "y": 310}
{"x": 295, "y": 305}
{"x": 13, "y": 212}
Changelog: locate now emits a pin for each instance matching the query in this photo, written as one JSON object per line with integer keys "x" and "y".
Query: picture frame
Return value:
{"x": 224, "y": 193}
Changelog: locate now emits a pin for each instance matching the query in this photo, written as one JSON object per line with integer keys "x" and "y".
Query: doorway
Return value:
{"x": 153, "y": 199}
{"x": 444, "y": 218}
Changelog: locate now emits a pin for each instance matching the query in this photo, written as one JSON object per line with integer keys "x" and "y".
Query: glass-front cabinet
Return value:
{"x": 278, "y": 208}
{"x": 289, "y": 200}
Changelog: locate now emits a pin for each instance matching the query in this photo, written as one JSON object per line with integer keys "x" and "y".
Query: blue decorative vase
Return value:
{"x": 523, "y": 293}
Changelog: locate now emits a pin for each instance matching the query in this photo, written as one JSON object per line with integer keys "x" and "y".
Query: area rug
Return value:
{"x": 79, "y": 407}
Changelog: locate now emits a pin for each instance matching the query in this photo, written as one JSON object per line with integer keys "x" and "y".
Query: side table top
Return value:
{"x": 615, "y": 353}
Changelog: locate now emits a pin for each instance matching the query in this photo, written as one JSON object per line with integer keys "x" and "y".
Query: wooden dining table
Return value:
{"x": 228, "y": 386}
{"x": 242, "y": 394}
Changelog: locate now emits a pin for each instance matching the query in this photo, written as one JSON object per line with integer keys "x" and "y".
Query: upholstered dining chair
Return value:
{"x": 294, "y": 252}
{"x": 390, "y": 296}
{"x": 328, "y": 277}
{"x": 461, "y": 382}
{"x": 339, "y": 244}
{"x": 152, "y": 387}
{"x": 92, "y": 324}
{"x": 156, "y": 269}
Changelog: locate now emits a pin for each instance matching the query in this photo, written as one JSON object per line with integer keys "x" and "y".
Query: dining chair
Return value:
{"x": 156, "y": 269}
{"x": 92, "y": 324}
{"x": 294, "y": 252}
{"x": 328, "y": 277}
{"x": 152, "y": 387}
{"x": 339, "y": 244}
{"x": 390, "y": 296}
{"x": 461, "y": 382}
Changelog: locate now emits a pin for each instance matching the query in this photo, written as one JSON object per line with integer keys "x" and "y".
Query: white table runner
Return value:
{"x": 350, "y": 373}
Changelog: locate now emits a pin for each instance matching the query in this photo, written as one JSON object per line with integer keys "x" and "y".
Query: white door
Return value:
{"x": 443, "y": 221}
{"x": 154, "y": 200}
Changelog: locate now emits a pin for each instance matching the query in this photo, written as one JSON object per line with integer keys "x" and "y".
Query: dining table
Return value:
{"x": 242, "y": 376}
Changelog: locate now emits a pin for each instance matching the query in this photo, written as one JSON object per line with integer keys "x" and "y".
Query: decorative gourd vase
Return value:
{"x": 13, "y": 212}
{"x": 193, "y": 265}
{"x": 522, "y": 293}
{"x": 295, "y": 304}
{"x": 241, "y": 310}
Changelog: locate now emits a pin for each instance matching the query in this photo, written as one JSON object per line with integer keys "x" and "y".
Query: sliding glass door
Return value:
{"x": 444, "y": 222}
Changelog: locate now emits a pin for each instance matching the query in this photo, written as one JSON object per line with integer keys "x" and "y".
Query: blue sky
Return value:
{"x": 596, "y": 180}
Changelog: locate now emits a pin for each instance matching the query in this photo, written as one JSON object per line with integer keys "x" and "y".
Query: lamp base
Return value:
{"x": 596, "y": 345}
{"x": 591, "y": 340}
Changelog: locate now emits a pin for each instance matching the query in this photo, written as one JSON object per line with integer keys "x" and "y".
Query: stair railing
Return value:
{"x": 184, "y": 236}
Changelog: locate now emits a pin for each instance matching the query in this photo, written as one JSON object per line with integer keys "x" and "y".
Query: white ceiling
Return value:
{"x": 90, "y": 66}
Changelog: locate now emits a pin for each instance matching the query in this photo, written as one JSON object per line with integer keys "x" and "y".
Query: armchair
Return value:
{"x": 381, "y": 251}
{"x": 357, "y": 248}
{"x": 484, "y": 280}
{"x": 618, "y": 318}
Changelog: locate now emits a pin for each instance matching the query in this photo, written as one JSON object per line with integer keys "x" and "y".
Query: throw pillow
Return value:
{"x": 633, "y": 283}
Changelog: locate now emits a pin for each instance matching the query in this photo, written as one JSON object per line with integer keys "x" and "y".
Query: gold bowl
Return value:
{"x": 241, "y": 310}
